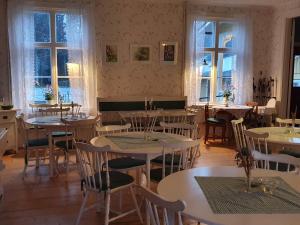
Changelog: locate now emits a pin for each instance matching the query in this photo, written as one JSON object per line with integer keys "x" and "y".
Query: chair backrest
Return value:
{"x": 53, "y": 111}
{"x": 91, "y": 160}
{"x": 187, "y": 130}
{"x": 169, "y": 210}
{"x": 180, "y": 117}
{"x": 82, "y": 130}
{"x": 112, "y": 129}
{"x": 179, "y": 156}
{"x": 271, "y": 103}
{"x": 238, "y": 131}
{"x": 286, "y": 122}
{"x": 143, "y": 121}
{"x": 257, "y": 142}
{"x": 290, "y": 162}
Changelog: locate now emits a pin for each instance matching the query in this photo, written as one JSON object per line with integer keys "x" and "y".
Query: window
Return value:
{"x": 52, "y": 65}
{"x": 215, "y": 58}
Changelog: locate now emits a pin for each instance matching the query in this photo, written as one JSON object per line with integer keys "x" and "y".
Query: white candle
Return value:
{"x": 145, "y": 103}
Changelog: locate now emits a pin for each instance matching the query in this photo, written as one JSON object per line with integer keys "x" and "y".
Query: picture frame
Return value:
{"x": 111, "y": 53}
{"x": 141, "y": 53}
{"x": 168, "y": 52}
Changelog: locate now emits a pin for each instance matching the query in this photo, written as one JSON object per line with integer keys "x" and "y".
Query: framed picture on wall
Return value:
{"x": 111, "y": 53}
{"x": 140, "y": 53}
{"x": 168, "y": 52}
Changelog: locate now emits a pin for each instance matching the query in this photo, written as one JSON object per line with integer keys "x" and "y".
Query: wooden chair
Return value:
{"x": 238, "y": 131}
{"x": 214, "y": 123}
{"x": 53, "y": 111}
{"x": 80, "y": 130}
{"x": 180, "y": 128}
{"x": 142, "y": 121}
{"x": 171, "y": 211}
{"x": 286, "y": 122}
{"x": 35, "y": 149}
{"x": 97, "y": 179}
{"x": 290, "y": 163}
{"x": 175, "y": 157}
{"x": 118, "y": 161}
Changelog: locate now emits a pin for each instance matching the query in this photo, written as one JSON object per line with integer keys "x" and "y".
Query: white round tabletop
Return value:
{"x": 44, "y": 121}
{"x": 140, "y": 147}
{"x": 183, "y": 185}
{"x": 232, "y": 107}
{"x": 280, "y": 135}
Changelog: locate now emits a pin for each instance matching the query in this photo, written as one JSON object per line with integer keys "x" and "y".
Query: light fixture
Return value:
{"x": 204, "y": 63}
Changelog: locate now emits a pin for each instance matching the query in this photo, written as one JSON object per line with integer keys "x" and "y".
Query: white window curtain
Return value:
{"x": 242, "y": 76}
{"x": 80, "y": 42}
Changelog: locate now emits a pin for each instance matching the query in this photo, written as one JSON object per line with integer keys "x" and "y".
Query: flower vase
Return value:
{"x": 226, "y": 101}
{"x": 50, "y": 101}
{"x": 248, "y": 180}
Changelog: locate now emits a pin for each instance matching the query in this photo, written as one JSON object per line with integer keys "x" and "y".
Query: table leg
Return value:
{"x": 51, "y": 160}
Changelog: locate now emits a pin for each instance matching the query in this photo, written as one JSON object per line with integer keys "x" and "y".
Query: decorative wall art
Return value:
{"x": 140, "y": 53}
{"x": 111, "y": 54}
{"x": 168, "y": 52}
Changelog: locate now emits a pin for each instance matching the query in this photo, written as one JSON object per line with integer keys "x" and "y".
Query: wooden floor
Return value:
{"x": 39, "y": 200}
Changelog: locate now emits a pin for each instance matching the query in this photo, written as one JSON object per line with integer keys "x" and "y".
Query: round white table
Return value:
{"x": 51, "y": 124}
{"x": 285, "y": 136}
{"x": 183, "y": 185}
{"x": 146, "y": 150}
{"x": 237, "y": 111}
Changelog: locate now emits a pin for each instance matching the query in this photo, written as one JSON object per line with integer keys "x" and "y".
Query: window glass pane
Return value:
{"x": 42, "y": 64}
{"x": 41, "y": 27}
{"x": 41, "y": 84}
{"x": 204, "y": 95}
{"x": 205, "y": 34}
{"x": 204, "y": 64}
{"x": 226, "y": 37}
{"x": 296, "y": 79}
{"x": 60, "y": 20}
{"x": 70, "y": 89}
{"x": 226, "y": 70}
{"x": 62, "y": 60}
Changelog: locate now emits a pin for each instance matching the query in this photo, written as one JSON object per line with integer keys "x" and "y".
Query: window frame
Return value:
{"x": 215, "y": 57}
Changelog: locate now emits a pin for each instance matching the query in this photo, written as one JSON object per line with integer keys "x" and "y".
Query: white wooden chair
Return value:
{"x": 143, "y": 121}
{"x": 238, "y": 131}
{"x": 286, "y": 122}
{"x": 181, "y": 128}
{"x": 171, "y": 211}
{"x": 175, "y": 157}
{"x": 101, "y": 181}
{"x": 80, "y": 130}
{"x": 290, "y": 163}
{"x": 257, "y": 142}
{"x": 36, "y": 149}
{"x": 118, "y": 161}
{"x": 53, "y": 111}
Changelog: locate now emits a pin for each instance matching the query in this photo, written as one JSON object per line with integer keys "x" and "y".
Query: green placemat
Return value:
{"x": 226, "y": 195}
{"x": 134, "y": 141}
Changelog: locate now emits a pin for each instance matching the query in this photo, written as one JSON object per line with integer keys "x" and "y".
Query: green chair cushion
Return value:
{"x": 60, "y": 134}
{"x": 63, "y": 144}
{"x": 216, "y": 121}
{"x": 168, "y": 159}
{"x": 117, "y": 179}
{"x": 38, "y": 142}
{"x": 291, "y": 152}
{"x": 125, "y": 162}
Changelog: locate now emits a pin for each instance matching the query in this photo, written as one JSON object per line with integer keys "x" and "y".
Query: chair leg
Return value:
{"x": 214, "y": 132}
{"x": 224, "y": 134}
{"x": 107, "y": 208}
{"x": 136, "y": 204}
{"x": 206, "y": 133}
{"x": 26, "y": 158}
{"x": 82, "y": 207}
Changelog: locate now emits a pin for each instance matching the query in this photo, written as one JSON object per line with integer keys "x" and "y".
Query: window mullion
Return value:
{"x": 215, "y": 62}
{"x": 53, "y": 56}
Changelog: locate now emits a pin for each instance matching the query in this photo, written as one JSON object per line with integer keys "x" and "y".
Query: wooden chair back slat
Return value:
{"x": 238, "y": 131}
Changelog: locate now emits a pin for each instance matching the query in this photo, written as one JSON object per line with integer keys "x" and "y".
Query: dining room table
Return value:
{"x": 281, "y": 136}
{"x": 142, "y": 145}
{"x": 237, "y": 111}
{"x": 54, "y": 124}
{"x": 218, "y": 196}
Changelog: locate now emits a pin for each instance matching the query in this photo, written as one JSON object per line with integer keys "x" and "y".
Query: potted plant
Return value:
{"x": 49, "y": 94}
{"x": 227, "y": 93}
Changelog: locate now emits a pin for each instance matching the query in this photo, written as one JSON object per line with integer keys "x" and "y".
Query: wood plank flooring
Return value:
{"x": 39, "y": 200}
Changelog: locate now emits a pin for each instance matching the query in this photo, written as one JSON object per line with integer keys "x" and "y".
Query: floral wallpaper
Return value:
{"x": 123, "y": 23}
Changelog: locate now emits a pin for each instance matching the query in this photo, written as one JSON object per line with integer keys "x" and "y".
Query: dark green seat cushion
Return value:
{"x": 60, "y": 134}
{"x": 38, "y": 142}
{"x": 63, "y": 144}
{"x": 117, "y": 179}
{"x": 272, "y": 165}
{"x": 291, "y": 152}
{"x": 156, "y": 174}
{"x": 125, "y": 162}
{"x": 216, "y": 121}
{"x": 168, "y": 159}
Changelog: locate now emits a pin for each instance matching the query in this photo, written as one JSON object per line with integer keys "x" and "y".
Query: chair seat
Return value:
{"x": 125, "y": 162}
{"x": 38, "y": 142}
{"x": 63, "y": 144}
{"x": 168, "y": 159}
{"x": 291, "y": 152}
{"x": 213, "y": 120}
{"x": 156, "y": 174}
{"x": 56, "y": 134}
{"x": 117, "y": 179}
